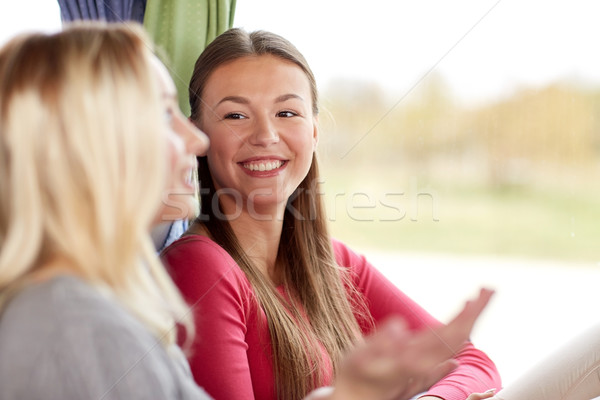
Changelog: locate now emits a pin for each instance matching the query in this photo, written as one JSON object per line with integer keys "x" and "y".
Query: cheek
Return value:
{"x": 223, "y": 148}
{"x": 176, "y": 153}
{"x": 303, "y": 142}
{"x": 216, "y": 159}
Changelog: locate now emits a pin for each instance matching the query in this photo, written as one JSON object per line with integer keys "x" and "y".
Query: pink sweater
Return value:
{"x": 231, "y": 354}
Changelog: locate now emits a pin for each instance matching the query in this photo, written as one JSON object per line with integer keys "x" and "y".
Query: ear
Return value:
{"x": 315, "y": 132}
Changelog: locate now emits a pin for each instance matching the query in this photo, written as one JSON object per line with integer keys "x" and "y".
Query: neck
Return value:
{"x": 55, "y": 266}
{"x": 258, "y": 230}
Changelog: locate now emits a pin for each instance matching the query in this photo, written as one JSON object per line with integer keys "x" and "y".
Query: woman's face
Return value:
{"x": 185, "y": 142}
{"x": 257, "y": 112}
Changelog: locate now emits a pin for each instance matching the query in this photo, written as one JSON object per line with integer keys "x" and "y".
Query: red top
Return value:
{"x": 231, "y": 354}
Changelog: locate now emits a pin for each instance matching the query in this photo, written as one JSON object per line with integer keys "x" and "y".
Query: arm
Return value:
{"x": 64, "y": 339}
{"x": 475, "y": 371}
{"x": 213, "y": 285}
{"x": 391, "y": 361}
{"x": 107, "y": 357}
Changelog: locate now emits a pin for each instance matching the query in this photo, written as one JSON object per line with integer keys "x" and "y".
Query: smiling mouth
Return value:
{"x": 263, "y": 165}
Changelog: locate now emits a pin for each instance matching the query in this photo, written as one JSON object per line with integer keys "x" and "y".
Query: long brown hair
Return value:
{"x": 320, "y": 311}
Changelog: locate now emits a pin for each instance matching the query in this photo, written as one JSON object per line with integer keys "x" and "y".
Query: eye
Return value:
{"x": 286, "y": 114}
{"x": 168, "y": 116}
{"x": 234, "y": 116}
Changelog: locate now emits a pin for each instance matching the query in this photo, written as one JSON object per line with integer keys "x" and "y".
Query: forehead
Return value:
{"x": 165, "y": 82}
{"x": 255, "y": 75}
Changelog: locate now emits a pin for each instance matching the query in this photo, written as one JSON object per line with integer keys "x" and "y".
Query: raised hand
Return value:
{"x": 394, "y": 363}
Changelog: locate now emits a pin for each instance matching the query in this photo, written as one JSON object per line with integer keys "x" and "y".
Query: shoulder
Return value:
{"x": 65, "y": 311}
{"x": 197, "y": 255}
{"x": 199, "y": 267}
{"x": 362, "y": 273}
{"x": 66, "y": 330}
{"x": 49, "y": 305}
{"x": 195, "y": 249}
{"x": 346, "y": 257}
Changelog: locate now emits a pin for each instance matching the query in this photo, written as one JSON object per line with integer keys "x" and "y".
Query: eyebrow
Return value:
{"x": 288, "y": 96}
{"x": 234, "y": 99}
{"x": 243, "y": 100}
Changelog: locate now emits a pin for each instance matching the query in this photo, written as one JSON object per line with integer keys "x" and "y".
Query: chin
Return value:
{"x": 266, "y": 203}
{"x": 179, "y": 208}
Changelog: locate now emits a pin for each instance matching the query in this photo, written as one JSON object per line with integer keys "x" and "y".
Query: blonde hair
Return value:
{"x": 311, "y": 275}
{"x": 83, "y": 165}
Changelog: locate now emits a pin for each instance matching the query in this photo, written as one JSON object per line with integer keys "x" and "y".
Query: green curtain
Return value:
{"x": 181, "y": 29}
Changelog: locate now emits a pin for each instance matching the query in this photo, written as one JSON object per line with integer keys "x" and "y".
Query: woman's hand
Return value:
{"x": 395, "y": 363}
{"x": 473, "y": 396}
{"x": 480, "y": 396}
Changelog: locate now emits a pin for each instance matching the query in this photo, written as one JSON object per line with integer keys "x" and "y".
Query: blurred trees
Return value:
{"x": 515, "y": 176}
{"x": 533, "y": 134}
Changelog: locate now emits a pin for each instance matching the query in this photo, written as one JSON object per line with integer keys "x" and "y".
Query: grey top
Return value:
{"x": 64, "y": 339}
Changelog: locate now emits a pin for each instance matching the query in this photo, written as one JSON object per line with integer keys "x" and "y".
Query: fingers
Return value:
{"x": 395, "y": 362}
{"x": 480, "y": 396}
{"x": 441, "y": 370}
{"x": 421, "y": 382}
{"x": 459, "y": 329}
{"x": 431, "y": 347}
{"x": 376, "y": 358}
{"x": 472, "y": 309}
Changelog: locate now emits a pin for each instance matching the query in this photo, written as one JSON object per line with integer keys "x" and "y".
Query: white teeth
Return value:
{"x": 264, "y": 166}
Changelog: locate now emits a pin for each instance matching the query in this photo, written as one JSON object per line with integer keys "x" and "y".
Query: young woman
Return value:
{"x": 276, "y": 299}
{"x": 91, "y": 140}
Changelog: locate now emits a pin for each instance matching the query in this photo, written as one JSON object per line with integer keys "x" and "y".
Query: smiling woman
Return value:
{"x": 279, "y": 301}
{"x": 262, "y": 138}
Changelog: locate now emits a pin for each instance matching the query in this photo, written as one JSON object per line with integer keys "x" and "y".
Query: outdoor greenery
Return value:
{"x": 515, "y": 177}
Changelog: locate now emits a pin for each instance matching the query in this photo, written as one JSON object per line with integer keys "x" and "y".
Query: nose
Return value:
{"x": 196, "y": 142}
{"x": 264, "y": 132}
